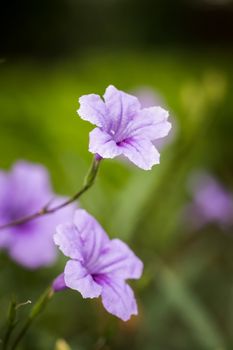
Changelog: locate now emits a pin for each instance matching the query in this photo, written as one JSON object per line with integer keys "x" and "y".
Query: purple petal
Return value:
{"x": 93, "y": 109}
{"x": 103, "y": 144}
{"x": 4, "y": 187}
{"x": 26, "y": 190}
{"x": 94, "y": 239}
{"x": 30, "y": 186}
{"x": 121, "y": 108}
{"x": 65, "y": 214}
{"x": 5, "y": 235}
{"x": 6, "y": 238}
{"x": 32, "y": 245}
{"x": 78, "y": 278}
{"x": 123, "y": 127}
{"x": 59, "y": 283}
{"x": 35, "y": 248}
{"x": 68, "y": 239}
{"x": 118, "y": 299}
{"x": 211, "y": 199}
{"x": 141, "y": 152}
{"x": 151, "y": 123}
{"x": 148, "y": 97}
{"x": 119, "y": 261}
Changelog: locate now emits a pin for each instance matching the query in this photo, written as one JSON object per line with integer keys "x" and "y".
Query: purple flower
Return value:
{"x": 98, "y": 266}
{"x": 212, "y": 203}
{"x": 123, "y": 127}
{"x": 23, "y": 191}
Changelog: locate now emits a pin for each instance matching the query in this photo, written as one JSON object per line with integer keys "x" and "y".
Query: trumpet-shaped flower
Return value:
{"x": 123, "y": 127}
{"x": 23, "y": 191}
{"x": 98, "y": 266}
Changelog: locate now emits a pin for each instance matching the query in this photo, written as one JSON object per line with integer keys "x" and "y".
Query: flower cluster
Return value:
{"x": 97, "y": 266}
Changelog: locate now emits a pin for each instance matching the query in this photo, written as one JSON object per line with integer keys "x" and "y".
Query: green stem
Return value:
{"x": 93, "y": 171}
{"x": 47, "y": 295}
{"x": 10, "y": 323}
{"x": 88, "y": 182}
{"x": 36, "y": 310}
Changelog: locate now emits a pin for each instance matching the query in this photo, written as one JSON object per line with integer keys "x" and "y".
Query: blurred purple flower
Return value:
{"x": 149, "y": 97}
{"x": 211, "y": 202}
{"x": 98, "y": 266}
{"x": 23, "y": 191}
{"x": 123, "y": 128}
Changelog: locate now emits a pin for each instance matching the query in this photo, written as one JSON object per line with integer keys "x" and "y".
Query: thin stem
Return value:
{"x": 10, "y": 323}
{"x": 11, "y": 320}
{"x": 36, "y": 310}
{"x": 88, "y": 182}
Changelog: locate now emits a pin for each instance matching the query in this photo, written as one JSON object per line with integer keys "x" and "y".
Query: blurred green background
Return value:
{"x": 54, "y": 52}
